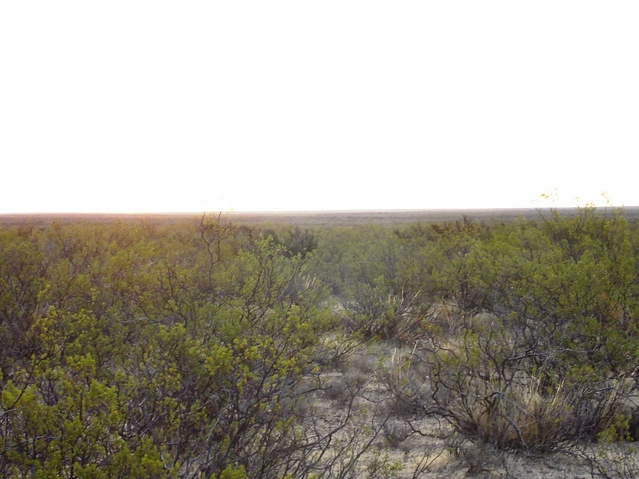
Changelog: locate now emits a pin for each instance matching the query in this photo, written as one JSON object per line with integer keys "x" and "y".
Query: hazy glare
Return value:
{"x": 287, "y": 105}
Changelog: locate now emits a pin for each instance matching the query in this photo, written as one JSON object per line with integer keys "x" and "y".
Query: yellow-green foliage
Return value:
{"x": 189, "y": 350}
{"x": 130, "y": 353}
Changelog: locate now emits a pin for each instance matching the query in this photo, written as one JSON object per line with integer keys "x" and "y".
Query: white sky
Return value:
{"x": 124, "y": 106}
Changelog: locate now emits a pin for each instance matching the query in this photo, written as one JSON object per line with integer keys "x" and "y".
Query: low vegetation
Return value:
{"x": 217, "y": 350}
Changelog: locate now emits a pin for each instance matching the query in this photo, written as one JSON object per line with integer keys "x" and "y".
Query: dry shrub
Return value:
{"x": 445, "y": 316}
{"x": 518, "y": 418}
{"x": 488, "y": 392}
{"x": 404, "y": 378}
{"x": 395, "y": 433}
{"x": 343, "y": 388}
{"x": 476, "y": 457}
{"x": 519, "y": 412}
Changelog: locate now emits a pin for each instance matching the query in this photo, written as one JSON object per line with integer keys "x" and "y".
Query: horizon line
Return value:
{"x": 314, "y": 211}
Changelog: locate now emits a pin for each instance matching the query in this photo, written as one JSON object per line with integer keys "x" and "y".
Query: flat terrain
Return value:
{"x": 305, "y": 218}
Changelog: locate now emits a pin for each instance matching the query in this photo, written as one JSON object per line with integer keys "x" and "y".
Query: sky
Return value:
{"x": 158, "y": 106}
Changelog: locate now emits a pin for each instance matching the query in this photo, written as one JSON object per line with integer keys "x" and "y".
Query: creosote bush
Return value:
{"x": 188, "y": 352}
{"x": 210, "y": 349}
{"x": 548, "y": 357}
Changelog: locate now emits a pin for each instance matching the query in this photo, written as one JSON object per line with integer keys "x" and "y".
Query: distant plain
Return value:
{"x": 309, "y": 218}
